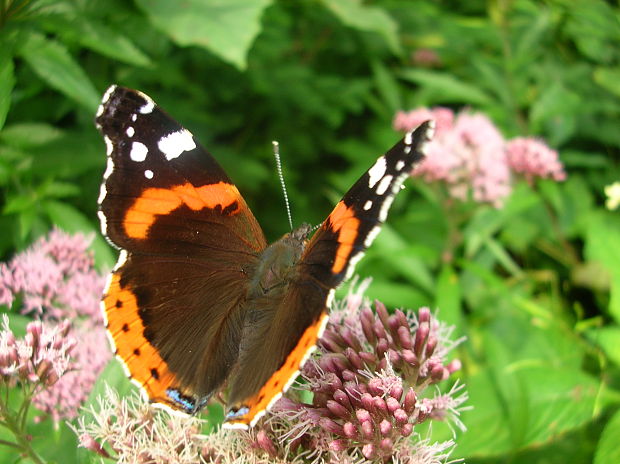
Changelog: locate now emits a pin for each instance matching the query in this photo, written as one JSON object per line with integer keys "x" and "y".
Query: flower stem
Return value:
{"x": 18, "y": 430}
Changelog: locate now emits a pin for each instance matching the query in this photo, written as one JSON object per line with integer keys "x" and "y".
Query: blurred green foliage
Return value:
{"x": 535, "y": 286}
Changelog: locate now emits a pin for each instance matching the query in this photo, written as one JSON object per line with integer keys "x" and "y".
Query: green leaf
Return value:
{"x": 388, "y": 88}
{"x": 53, "y": 63}
{"x": 395, "y": 295}
{"x": 593, "y": 25}
{"x": 603, "y": 246}
{"x": 99, "y": 37}
{"x": 556, "y": 112}
{"x": 390, "y": 243}
{"x": 524, "y": 409}
{"x": 609, "y": 79}
{"x": 227, "y": 28}
{"x": 29, "y": 134}
{"x": 366, "y": 18}
{"x": 607, "y": 338}
{"x": 7, "y": 81}
{"x": 445, "y": 88}
{"x": 448, "y": 298}
{"x": 608, "y": 450}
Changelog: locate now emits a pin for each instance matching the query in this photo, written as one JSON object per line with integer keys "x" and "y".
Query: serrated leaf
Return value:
{"x": 7, "y": 81}
{"x": 355, "y": 14}
{"x": 227, "y": 28}
{"x": 445, "y": 88}
{"x": 53, "y": 63}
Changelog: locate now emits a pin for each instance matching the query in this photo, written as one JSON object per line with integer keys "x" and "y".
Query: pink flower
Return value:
{"x": 533, "y": 158}
{"x": 470, "y": 156}
{"x": 55, "y": 279}
{"x": 41, "y": 358}
{"x": 91, "y": 354}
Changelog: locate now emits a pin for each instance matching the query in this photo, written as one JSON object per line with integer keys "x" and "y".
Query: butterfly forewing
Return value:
{"x": 174, "y": 301}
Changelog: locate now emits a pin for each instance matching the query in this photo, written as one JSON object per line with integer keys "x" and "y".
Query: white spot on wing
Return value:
{"x": 367, "y": 205}
{"x": 138, "y": 152}
{"x": 148, "y": 106}
{"x": 172, "y": 145}
{"x": 352, "y": 263}
{"x": 105, "y": 98}
{"x": 109, "y": 147}
{"x": 399, "y": 165}
{"x": 130, "y": 131}
{"x": 408, "y": 138}
{"x": 235, "y": 426}
{"x": 384, "y": 184}
{"x": 102, "y": 194}
{"x": 371, "y": 236}
{"x": 385, "y": 207}
{"x": 122, "y": 258}
{"x": 108, "y": 93}
{"x": 148, "y": 174}
{"x": 134, "y": 117}
{"x": 108, "y": 169}
{"x": 103, "y": 222}
{"x": 376, "y": 172}
{"x": 167, "y": 408}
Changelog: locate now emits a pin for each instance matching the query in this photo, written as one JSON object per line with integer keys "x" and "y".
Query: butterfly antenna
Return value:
{"x": 276, "y": 155}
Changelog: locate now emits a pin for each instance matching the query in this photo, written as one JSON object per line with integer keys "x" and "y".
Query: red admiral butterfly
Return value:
{"x": 198, "y": 298}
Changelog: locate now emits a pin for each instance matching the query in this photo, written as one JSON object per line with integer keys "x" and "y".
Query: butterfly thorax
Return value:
{"x": 277, "y": 263}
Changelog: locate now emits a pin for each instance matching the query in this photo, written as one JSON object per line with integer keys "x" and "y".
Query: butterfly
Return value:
{"x": 198, "y": 299}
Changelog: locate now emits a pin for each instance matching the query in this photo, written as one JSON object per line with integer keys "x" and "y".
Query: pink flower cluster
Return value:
{"x": 55, "y": 280}
{"x": 472, "y": 157}
{"x": 371, "y": 383}
{"x": 41, "y": 358}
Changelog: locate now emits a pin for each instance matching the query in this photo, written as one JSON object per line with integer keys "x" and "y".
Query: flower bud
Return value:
{"x": 410, "y": 400}
{"x": 349, "y": 429}
{"x": 338, "y": 409}
{"x": 266, "y": 444}
{"x": 385, "y": 427}
{"x": 331, "y": 427}
{"x": 424, "y": 315}
{"x": 369, "y": 451}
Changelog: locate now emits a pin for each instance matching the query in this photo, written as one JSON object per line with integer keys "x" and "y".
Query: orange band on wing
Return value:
{"x": 343, "y": 221}
{"x": 141, "y": 358}
{"x": 157, "y": 201}
{"x": 277, "y": 383}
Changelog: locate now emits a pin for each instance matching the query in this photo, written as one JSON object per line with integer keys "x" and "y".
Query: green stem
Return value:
{"x": 10, "y": 443}
{"x": 23, "y": 443}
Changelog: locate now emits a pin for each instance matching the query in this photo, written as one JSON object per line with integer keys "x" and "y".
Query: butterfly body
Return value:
{"x": 198, "y": 300}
